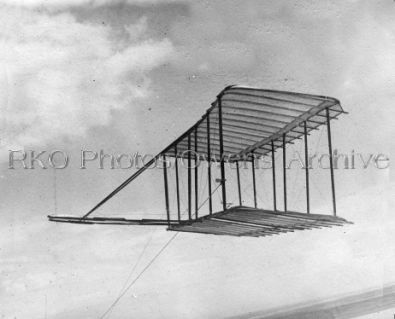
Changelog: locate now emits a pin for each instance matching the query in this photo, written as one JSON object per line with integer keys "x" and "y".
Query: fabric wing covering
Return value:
{"x": 253, "y": 118}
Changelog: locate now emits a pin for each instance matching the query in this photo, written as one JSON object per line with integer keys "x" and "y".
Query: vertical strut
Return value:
{"x": 285, "y": 173}
{"x": 177, "y": 182}
{"x": 238, "y": 181}
{"x": 189, "y": 179}
{"x": 306, "y": 160}
{"x": 253, "y": 179}
{"x": 221, "y": 152}
{"x": 196, "y": 176}
{"x": 331, "y": 161}
{"x": 210, "y": 202}
{"x": 166, "y": 189}
{"x": 274, "y": 179}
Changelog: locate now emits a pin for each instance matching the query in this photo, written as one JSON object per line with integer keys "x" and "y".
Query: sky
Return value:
{"x": 131, "y": 76}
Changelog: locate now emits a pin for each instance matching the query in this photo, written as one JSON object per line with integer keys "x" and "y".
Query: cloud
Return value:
{"x": 60, "y": 77}
{"x": 61, "y": 4}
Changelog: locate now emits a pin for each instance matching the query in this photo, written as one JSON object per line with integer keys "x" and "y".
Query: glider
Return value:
{"x": 242, "y": 124}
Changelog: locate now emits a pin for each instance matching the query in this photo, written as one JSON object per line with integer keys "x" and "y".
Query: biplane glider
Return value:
{"x": 241, "y": 125}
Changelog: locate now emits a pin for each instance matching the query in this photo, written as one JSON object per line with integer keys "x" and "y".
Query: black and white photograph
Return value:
{"x": 197, "y": 159}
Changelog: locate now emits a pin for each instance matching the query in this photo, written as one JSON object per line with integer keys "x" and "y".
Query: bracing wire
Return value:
{"x": 182, "y": 200}
{"x": 139, "y": 275}
{"x": 299, "y": 193}
{"x": 203, "y": 186}
{"x": 319, "y": 139}
{"x": 219, "y": 195}
{"x": 135, "y": 266}
{"x": 138, "y": 260}
{"x": 295, "y": 179}
{"x": 316, "y": 148}
{"x": 318, "y": 189}
{"x": 205, "y": 201}
{"x": 148, "y": 265}
{"x": 246, "y": 188}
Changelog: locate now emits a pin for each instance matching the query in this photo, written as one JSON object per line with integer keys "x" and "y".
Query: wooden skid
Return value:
{"x": 252, "y": 222}
{"x": 236, "y": 221}
{"x": 108, "y": 220}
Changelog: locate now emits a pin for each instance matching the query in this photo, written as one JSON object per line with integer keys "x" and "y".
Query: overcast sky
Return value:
{"x": 131, "y": 76}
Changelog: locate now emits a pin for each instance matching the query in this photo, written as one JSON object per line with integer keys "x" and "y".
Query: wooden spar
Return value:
{"x": 110, "y": 220}
{"x": 177, "y": 183}
{"x": 274, "y": 178}
{"x": 189, "y": 180}
{"x": 292, "y": 125}
{"x": 285, "y": 173}
{"x": 306, "y": 159}
{"x": 253, "y": 179}
{"x": 196, "y": 177}
{"x": 123, "y": 185}
{"x": 238, "y": 181}
{"x": 331, "y": 161}
{"x": 166, "y": 189}
{"x": 221, "y": 153}
{"x": 210, "y": 201}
